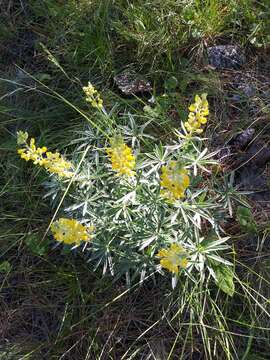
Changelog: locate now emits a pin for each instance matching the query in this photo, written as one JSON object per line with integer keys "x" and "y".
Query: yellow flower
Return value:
{"x": 70, "y": 231}
{"x": 198, "y": 115}
{"x": 121, "y": 156}
{"x": 52, "y": 162}
{"x": 174, "y": 180}
{"x": 173, "y": 258}
{"x": 56, "y": 164}
{"x": 92, "y": 96}
{"x": 31, "y": 152}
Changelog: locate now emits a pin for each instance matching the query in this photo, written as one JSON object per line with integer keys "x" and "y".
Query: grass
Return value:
{"x": 53, "y": 304}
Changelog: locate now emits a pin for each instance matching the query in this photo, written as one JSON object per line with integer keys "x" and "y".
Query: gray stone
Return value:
{"x": 130, "y": 83}
{"x": 240, "y": 141}
{"x": 249, "y": 159}
{"x": 247, "y": 89}
{"x": 226, "y": 56}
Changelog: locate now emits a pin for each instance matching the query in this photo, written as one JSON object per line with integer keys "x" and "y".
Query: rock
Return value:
{"x": 240, "y": 141}
{"x": 241, "y": 86}
{"x": 256, "y": 156}
{"x": 228, "y": 155}
{"x": 252, "y": 179}
{"x": 247, "y": 89}
{"x": 130, "y": 84}
{"x": 235, "y": 97}
{"x": 244, "y": 92}
{"x": 249, "y": 161}
{"x": 226, "y": 56}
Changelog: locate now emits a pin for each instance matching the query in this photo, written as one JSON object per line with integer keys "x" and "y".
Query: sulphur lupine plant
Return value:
{"x": 138, "y": 207}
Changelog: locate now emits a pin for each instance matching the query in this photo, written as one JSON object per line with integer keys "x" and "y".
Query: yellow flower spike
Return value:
{"x": 89, "y": 90}
{"x": 198, "y": 115}
{"x": 31, "y": 152}
{"x": 174, "y": 181}
{"x": 70, "y": 231}
{"x": 56, "y": 164}
{"x": 173, "y": 258}
{"x": 52, "y": 162}
{"x": 121, "y": 157}
{"x": 92, "y": 96}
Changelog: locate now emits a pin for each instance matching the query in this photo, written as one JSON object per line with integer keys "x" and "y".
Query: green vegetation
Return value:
{"x": 61, "y": 302}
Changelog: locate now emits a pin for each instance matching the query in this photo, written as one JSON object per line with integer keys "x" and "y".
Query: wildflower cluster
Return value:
{"x": 198, "y": 113}
{"x": 174, "y": 180}
{"x": 144, "y": 220}
{"x": 92, "y": 96}
{"x": 173, "y": 258}
{"x": 122, "y": 159}
{"x": 70, "y": 231}
{"x": 53, "y": 162}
